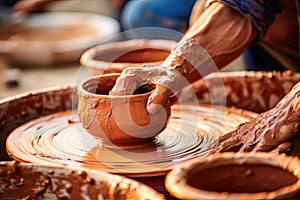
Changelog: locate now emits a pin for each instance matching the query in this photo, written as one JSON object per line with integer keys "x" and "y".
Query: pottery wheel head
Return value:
{"x": 60, "y": 139}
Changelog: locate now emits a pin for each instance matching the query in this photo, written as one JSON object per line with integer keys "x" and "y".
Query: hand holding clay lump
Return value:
{"x": 168, "y": 82}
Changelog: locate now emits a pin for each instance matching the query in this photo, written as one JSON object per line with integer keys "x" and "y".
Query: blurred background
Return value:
{"x": 24, "y": 66}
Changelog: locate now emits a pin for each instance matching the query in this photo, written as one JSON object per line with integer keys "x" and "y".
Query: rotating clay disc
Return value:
{"x": 60, "y": 139}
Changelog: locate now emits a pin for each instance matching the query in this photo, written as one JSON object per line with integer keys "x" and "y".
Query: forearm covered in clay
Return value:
{"x": 269, "y": 130}
{"x": 221, "y": 32}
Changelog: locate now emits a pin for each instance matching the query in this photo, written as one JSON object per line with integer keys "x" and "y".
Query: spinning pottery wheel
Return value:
{"x": 41, "y": 127}
{"x": 60, "y": 139}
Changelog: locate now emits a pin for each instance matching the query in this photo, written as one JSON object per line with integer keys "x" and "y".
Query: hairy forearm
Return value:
{"x": 224, "y": 34}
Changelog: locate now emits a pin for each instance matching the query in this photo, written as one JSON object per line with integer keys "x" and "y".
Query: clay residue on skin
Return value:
{"x": 269, "y": 130}
{"x": 135, "y": 77}
{"x": 189, "y": 58}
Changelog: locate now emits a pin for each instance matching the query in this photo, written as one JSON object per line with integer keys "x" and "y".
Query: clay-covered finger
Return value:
{"x": 173, "y": 98}
{"x": 237, "y": 133}
{"x": 285, "y": 147}
{"x": 125, "y": 85}
{"x": 158, "y": 98}
{"x": 225, "y": 137}
{"x": 250, "y": 141}
{"x": 264, "y": 146}
{"x": 231, "y": 144}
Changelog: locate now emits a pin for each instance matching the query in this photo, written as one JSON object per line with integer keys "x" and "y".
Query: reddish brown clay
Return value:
{"x": 254, "y": 91}
{"x": 114, "y": 57}
{"x": 28, "y": 181}
{"x": 118, "y": 119}
{"x": 237, "y": 176}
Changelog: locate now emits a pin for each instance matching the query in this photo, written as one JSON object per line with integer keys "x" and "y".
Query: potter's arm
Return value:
{"x": 269, "y": 131}
{"x": 217, "y": 37}
{"x": 224, "y": 29}
{"x": 221, "y": 31}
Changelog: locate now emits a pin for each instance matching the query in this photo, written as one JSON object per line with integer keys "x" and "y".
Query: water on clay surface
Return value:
{"x": 59, "y": 138}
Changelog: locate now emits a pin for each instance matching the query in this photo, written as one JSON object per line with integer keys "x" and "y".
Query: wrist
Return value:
{"x": 190, "y": 59}
{"x": 183, "y": 56}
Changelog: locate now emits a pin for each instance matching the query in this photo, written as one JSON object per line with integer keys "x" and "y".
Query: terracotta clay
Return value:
{"x": 56, "y": 33}
{"x": 269, "y": 131}
{"x": 56, "y": 37}
{"x": 27, "y": 181}
{"x": 255, "y": 91}
{"x": 236, "y": 176}
{"x": 241, "y": 178}
{"x": 115, "y": 56}
{"x": 21, "y": 108}
{"x": 60, "y": 139}
{"x": 118, "y": 119}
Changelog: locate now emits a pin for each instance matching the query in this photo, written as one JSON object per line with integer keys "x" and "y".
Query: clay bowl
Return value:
{"x": 56, "y": 37}
{"x": 115, "y": 56}
{"x": 121, "y": 120}
{"x": 27, "y": 181}
{"x": 236, "y": 176}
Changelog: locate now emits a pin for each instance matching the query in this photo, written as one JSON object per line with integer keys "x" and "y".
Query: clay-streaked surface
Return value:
{"x": 60, "y": 139}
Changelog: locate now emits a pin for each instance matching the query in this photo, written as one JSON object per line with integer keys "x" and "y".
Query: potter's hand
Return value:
{"x": 168, "y": 82}
{"x": 27, "y": 6}
{"x": 269, "y": 131}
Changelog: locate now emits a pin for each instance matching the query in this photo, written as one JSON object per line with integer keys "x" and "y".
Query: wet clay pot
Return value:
{"x": 236, "y": 176}
{"x": 115, "y": 56}
{"x": 28, "y": 181}
{"x": 118, "y": 119}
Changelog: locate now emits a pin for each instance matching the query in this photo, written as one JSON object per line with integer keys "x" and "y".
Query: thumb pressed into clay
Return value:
{"x": 158, "y": 99}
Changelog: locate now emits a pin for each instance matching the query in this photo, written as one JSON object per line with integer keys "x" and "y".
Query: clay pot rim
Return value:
{"x": 86, "y": 59}
{"x": 84, "y": 92}
{"x": 62, "y": 19}
{"x": 114, "y": 180}
{"x": 176, "y": 179}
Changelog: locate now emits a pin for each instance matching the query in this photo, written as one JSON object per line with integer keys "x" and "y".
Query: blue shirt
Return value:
{"x": 260, "y": 12}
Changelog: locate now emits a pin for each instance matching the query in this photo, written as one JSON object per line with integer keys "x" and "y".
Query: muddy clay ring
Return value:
{"x": 236, "y": 176}
{"x": 121, "y": 120}
{"x": 32, "y": 181}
